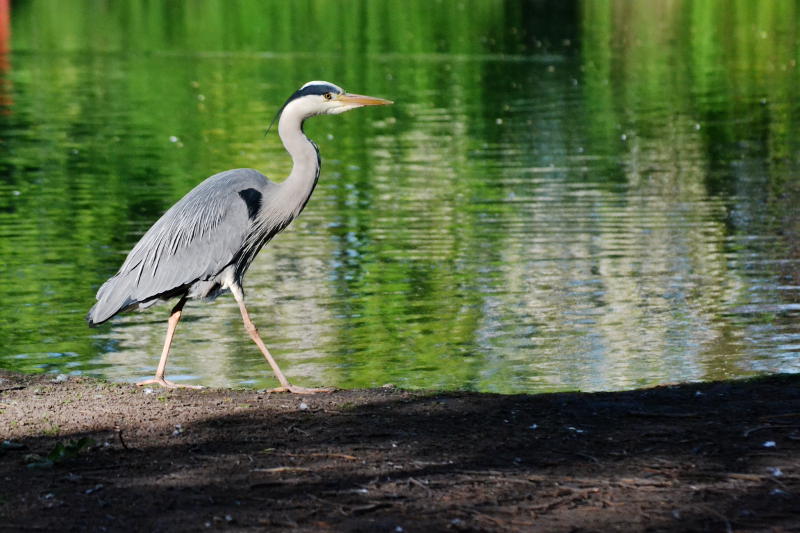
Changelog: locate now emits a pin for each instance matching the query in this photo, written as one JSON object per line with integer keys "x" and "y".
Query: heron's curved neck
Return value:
{"x": 305, "y": 171}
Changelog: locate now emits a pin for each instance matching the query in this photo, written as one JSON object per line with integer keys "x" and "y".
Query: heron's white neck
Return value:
{"x": 297, "y": 188}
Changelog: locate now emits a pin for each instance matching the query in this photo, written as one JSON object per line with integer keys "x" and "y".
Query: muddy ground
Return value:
{"x": 698, "y": 457}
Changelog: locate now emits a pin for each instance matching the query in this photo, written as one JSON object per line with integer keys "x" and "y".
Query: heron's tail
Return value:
{"x": 113, "y": 297}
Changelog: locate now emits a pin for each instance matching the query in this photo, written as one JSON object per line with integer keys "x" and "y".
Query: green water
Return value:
{"x": 577, "y": 195}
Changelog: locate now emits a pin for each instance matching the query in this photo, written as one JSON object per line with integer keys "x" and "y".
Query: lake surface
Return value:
{"x": 594, "y": 195}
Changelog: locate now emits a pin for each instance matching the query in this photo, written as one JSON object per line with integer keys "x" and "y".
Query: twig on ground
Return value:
{"x": 281, "y": 469}
{"x": 587, "y": 456}
{"x": 665, "y": 415}
{"x": 784, "y": 415}
{"x": 118, "y": 430}
{"x": 728, "y": 527}
{"x": 420, "y": 484}
{"x": 321, "y": 454}
{"x": 294, "y": 427}
{"x": 748, "y": 432}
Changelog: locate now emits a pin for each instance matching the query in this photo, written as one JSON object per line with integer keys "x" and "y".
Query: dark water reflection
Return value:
{"x": 595, "y": 196}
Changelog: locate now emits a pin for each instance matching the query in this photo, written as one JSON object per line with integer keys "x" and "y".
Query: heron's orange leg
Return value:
{"x": 172, "y": 324}
{"x": 253, "y": 332}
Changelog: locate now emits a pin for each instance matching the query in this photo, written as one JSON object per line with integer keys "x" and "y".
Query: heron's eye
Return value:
{"x": 327, "y": 96}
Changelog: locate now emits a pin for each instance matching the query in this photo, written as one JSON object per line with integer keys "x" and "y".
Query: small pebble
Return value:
{"x": 97, "y": 487}
{"x": 303, "y": 406}
{"x": 775, "y": 471}
{"x": 770, "y": 444}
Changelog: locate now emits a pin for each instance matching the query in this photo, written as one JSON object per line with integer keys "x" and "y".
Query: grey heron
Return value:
{"x": 203, "y": 245}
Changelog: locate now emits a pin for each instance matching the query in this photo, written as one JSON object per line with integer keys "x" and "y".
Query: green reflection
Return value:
{"x": 592, "y": 195}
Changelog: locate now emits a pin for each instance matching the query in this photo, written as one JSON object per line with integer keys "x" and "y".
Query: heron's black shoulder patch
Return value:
{"x": 252, "y": 198}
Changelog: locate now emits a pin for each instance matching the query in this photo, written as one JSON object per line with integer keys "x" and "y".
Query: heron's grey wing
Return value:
{"x": 194, "y": 240}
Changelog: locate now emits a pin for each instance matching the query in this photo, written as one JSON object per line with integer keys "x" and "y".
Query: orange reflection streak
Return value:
{"x": 6, "y": 100}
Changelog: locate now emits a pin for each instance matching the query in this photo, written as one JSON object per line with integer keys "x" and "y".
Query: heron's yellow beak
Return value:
{"x": 360, "y": 99}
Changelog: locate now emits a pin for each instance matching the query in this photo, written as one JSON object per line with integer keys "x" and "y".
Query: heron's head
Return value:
{"x": 324, "y": 98}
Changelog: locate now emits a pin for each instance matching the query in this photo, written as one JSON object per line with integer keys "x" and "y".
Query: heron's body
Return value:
{"x": 203, "y": 245}
{"x": 230, "y": 216}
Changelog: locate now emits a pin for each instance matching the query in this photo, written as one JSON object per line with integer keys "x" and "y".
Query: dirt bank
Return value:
{"x": 699, "y": 457}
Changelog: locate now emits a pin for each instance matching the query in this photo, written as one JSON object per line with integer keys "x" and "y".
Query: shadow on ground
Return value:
{"x": 700, "y": 457}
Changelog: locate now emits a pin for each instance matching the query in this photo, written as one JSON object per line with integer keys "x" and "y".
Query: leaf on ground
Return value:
{"x": 62, "y": 452}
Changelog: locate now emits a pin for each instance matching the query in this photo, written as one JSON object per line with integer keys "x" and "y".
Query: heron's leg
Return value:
{"x": 172, "y": 324}
{"x": 253, "y": 332}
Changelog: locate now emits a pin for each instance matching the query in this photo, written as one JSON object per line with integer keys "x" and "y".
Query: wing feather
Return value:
{"x": 194, "y": 240}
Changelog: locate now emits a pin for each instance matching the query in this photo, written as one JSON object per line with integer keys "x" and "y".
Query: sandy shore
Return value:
{"x": 697, "y": 457}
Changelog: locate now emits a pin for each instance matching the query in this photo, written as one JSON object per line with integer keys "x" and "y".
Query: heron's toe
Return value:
{"x": 167, "y": 384}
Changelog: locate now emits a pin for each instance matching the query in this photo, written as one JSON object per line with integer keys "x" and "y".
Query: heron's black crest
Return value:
{"x": 314, "y": 88}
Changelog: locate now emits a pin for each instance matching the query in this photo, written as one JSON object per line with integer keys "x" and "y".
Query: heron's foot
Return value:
{"x": 167, "y": 384}
{"x": 294, "y": 389}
